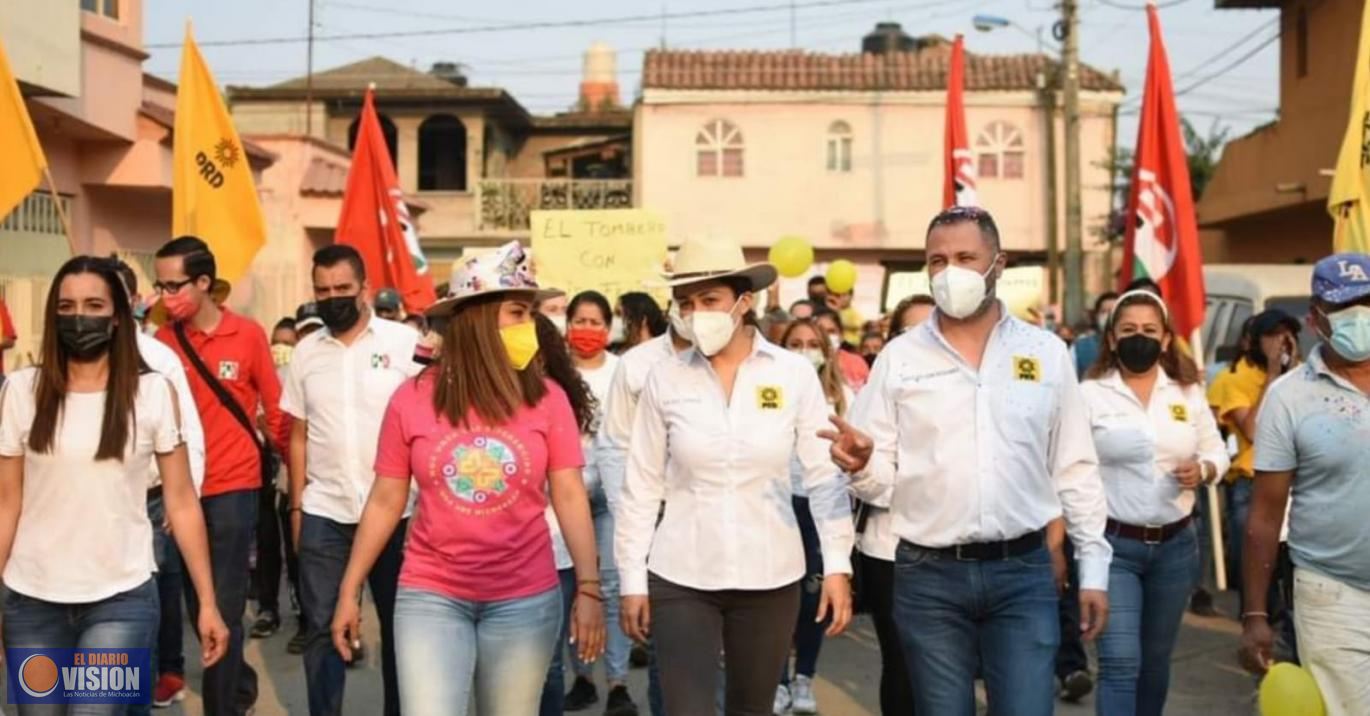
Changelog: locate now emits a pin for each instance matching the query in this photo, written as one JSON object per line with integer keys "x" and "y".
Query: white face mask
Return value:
{"x": 712, "y": 330}
{"x": 815, "y": 356}
{"x": 959, "y": 292}
{"x": 835, "y": 341}
{"x": 558, "y": 320}
{"x": 616, "y": 331}
{"x": 678, "y": 324}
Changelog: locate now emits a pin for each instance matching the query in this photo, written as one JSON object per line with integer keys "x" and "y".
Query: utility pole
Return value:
{"x": 1074, "y": 264}
{"x": 1046, "y": 88}
{"x": 309, "y": 77}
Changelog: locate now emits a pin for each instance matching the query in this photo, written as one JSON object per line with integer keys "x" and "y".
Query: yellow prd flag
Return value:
{"x": 1346, "y": 201}
{"x": 21, "y": 158}
{"x": 212, "y": 193}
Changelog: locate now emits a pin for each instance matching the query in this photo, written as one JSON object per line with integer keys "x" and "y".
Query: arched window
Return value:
{"x": 387, "y": 129}
{"x": 718, "y": 150}
{"x": 442, "y": 154}
{"x": 839, "y": 147}
{"x": 1000, "y": 152}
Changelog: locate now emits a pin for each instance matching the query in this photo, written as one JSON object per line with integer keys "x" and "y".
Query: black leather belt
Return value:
{"x": 1150, "y": 534}
{"x": 986, "y": 551}
{"x": 154, "y": 492}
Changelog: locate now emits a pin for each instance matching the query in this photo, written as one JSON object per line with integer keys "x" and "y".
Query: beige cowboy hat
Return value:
{"x": 507, "y": 269}
{"x": 713, "y": 258}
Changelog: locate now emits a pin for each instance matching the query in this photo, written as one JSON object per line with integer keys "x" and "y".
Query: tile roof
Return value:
{"x": 921, "y": 70}
{"x": 386, "y": 73}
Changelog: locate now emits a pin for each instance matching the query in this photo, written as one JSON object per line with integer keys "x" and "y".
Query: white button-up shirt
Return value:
{"x": 341, "y": 392}
{"x": 620, "y": 408}
{"x": 1140, "y": 445}
{"x": 598, "y": 380}
{"x": 164, "y": 361}
{"x": 964, "y": 456}
{"x": 723, "y": 469}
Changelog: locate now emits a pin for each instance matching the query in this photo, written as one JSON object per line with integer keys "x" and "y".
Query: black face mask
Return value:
{"x": 339, "y": 313}
{"x": 1138, "y": 353}
{"x": 85, "y": 338}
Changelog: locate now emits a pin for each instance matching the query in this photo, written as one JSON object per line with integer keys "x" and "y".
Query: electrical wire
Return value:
{"x": 534, "y": 25}
{"x": 1126, "y": 6}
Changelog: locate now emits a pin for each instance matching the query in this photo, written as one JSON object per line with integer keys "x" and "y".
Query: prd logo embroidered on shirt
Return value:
{"x": 228, "y": 370}
{"x": 770, "y": 397}
{"x": 1179, "y": 412}
{"x": 1027, "y": 368}
{"x": 380, "y": 360}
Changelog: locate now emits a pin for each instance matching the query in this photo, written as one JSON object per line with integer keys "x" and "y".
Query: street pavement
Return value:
{"x": 1205, "y": 681}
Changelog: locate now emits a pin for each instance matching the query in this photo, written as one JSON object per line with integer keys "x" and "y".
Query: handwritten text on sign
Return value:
{"x": 612, "y": 251}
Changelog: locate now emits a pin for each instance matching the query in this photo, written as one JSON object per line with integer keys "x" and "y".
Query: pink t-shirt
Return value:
{"x": 479, "y": 533}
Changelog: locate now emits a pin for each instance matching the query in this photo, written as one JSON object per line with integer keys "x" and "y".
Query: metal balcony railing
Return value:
{"x": 36, "y": 214}
{"x": 506, "y": 203}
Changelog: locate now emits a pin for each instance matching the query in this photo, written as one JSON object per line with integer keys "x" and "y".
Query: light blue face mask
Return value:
{"x": 1351, "y": 333}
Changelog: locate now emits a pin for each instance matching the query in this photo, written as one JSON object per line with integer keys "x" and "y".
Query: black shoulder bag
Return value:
{"x": 263, "y": 456}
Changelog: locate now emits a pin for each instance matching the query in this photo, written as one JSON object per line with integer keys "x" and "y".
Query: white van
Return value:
{"x": 1238, "y": 291}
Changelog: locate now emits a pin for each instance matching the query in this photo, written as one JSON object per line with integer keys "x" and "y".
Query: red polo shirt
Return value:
{"x": 237, "y": 353}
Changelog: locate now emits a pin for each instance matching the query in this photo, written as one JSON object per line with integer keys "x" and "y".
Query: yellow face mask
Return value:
{"x": 281, "y": 353}
{"x": 520, "y": 342}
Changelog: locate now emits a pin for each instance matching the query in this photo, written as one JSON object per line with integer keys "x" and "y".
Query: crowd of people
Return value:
{"x": 529, "y": 484}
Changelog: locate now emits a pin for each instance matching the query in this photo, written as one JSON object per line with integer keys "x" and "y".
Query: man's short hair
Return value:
{"x": 989, "y": 231}
{"x": 334, "y": 254}
{"x": 196, "y": 258}
{"x": 816, "y": 280}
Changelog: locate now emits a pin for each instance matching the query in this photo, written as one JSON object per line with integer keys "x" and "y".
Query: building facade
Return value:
{"x": 846, "y": 150}
{"x": 1267, "y": 201}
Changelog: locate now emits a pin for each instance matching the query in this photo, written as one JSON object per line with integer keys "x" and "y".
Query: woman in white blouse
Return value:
{"x": 1157, "y": 443}
{"x": 715, "y": 431}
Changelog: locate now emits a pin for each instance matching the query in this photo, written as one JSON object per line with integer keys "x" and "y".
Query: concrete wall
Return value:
{"x": 42, "y": 41}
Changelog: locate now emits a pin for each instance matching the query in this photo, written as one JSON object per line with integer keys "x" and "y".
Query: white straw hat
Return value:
{"x": 507, "y": 269}
{"x": 712, "y": 258}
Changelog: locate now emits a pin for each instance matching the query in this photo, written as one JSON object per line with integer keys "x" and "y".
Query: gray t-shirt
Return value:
{"x": 1317, "y": 425}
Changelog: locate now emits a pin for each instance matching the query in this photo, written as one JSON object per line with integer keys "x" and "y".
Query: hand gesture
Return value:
{"x": 635, "y": 616}
{"x": 347, "y": 626}
{"x": 1190, "y": 474}
{"x": 851, "y": 449}
{"x": 1258, "y": 641}
{"x": 835, "y": 600}
{"x": 213, "y": 635}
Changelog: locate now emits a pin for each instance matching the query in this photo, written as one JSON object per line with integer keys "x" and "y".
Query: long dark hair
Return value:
{"x": 592, "y": 297}
{"x": 556, "y": 363}
{"x": 1173, "y": 361}
{"x": 479, "y": 376}
{"x": 125, "y": 365}
{"x": 640, "y": 309}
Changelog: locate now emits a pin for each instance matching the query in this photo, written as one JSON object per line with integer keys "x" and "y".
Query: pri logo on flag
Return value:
{"x": 78, "y": 676}
{"x": 1156, "y": 243}
{"x": 965, "y": 176}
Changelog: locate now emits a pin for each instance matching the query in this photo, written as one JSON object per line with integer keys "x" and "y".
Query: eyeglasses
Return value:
{"x": 171, "y": 286}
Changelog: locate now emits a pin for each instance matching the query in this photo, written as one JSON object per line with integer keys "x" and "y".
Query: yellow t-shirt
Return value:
{"x": 851, "y": 326}
{"x": 1233, "y": 390}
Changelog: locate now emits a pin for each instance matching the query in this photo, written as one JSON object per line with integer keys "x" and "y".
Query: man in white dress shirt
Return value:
{"x": 976, "y": 421}
{"x": 339, "y": 383}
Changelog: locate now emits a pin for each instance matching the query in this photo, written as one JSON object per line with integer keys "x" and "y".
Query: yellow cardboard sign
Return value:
{"x": 612, "y": 251}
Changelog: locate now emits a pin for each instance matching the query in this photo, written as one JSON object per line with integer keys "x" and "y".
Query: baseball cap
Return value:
{"x": 1342, "y": 278}
{"x": 307, "y": 316}
{"x": 1269, "y": 321}
{"x": 387, "y": 299}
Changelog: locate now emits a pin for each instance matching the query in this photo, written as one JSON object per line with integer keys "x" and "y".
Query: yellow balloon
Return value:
{"x": 1288, "y": 690}
{"x": 841, "y": 276}
{"x": 791, "y": 256}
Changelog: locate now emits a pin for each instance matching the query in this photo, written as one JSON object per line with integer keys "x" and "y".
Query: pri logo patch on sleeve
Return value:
{"x": 1027, "y": 368}
{"x": 770, "y": 397}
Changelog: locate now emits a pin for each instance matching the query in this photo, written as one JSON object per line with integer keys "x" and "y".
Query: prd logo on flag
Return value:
{"x": 78, "y": 676}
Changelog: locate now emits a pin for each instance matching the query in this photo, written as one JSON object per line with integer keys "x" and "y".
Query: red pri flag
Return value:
{"x": 376, "y": 222}
{"x": 958, "y": 165}
{"x": 1162, "y": 240}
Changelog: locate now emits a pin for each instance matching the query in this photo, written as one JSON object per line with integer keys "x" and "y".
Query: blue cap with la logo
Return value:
{"x": 1342, "y": 278}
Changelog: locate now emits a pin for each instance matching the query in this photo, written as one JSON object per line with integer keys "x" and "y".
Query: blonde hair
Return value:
{"x": 830, "y": 375}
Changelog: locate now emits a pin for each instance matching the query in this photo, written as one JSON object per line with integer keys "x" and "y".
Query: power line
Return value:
{"x": 535, "y": 25}
{"x": 1126, "y": 6}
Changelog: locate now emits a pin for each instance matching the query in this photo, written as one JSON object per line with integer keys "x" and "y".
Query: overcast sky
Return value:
{"x": 1221, "y": 50}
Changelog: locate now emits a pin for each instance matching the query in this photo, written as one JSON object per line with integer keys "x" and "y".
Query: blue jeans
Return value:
{"x": 617, "y": 649}
{"x": 554, "y": 689}
{"x": 808, "y": 634}
{"x": 325, "y": 546}
{"x": 444, "y": 644}
{"x": 1071, "y": 657}
{"x": 230, "y": 686}
{"x": 168, "y": 655}
{"x": 1148, "y": 591}
{"x": 125, "y": 620}
{"x": 999, "y": 614}
{"x": 1239, "y": 495}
